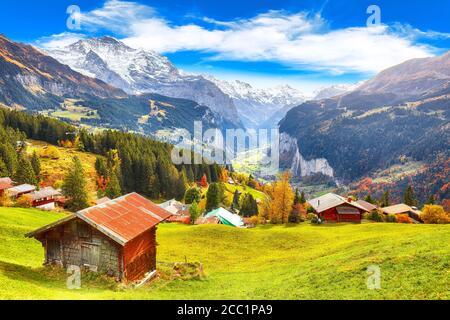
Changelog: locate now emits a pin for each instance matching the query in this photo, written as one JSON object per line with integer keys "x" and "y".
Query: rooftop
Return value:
{"x": 331, "y": 200}
{"x": 121, "y": 219}
{"x": 400, "y": 208}
{"x": 23, "y": 188}
{"x": 45, "y": 193}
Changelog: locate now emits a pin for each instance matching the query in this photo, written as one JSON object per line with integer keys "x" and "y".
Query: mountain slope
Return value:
{"x": 33, "y": 81}
{"x": 375, "y": 125}
{"x": 412, "y": 79}
{"x": 138, "y": 71}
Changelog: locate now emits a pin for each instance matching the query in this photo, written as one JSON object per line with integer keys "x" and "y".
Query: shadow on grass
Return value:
{"x": 46, "y": 277}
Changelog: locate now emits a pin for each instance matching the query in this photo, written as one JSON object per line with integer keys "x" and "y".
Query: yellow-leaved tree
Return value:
{"x": 282, "y": 199}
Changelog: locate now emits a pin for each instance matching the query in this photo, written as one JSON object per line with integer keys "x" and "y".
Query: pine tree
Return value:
{"x": 235, "y": 204}
{"x": 249, "y": 207}
{"x": 74, "y": 187}
{"x": 100, "y": 167}
{"x": 9, "y": 157}
{"x": 113, "y": 189}
{"x": 192, "y": 195}
{"x": 194, "y": 212}
{"x": 302, "y": 198}
{"x": 384, "y": 200}
{"x": 25, "y": 172}
{"x": 3, "y": 169}
{"x": 409, "y": 198}
{"x": 369, "y": 199}
{"x": 296, "y": 197}
{"x": 36, "y": 164}
{"x": 213, "y": 197}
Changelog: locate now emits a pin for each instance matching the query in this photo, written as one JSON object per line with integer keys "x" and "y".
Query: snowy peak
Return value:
{"x": 335, "y": 90}
{"x": 256, "y": 106}
{"x": 139, "y": 71}
{"x": 237, "y": 89}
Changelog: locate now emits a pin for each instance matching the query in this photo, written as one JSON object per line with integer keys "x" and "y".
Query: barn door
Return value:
{"x": 53, "y": 250}
{"x": 90, "y": 254}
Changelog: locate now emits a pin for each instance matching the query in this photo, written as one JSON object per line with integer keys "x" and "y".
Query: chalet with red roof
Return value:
{"x": 5, "y": 183}
{"x": 332, "y": 208}
{"x": 116, "y": 237}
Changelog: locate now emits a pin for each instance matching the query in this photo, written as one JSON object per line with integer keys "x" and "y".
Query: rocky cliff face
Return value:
{"x": 299, "y": 166}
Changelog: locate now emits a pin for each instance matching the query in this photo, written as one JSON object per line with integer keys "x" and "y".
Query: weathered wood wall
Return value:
{"x": 80, "y": 245}
{"x": 139, "y": 255}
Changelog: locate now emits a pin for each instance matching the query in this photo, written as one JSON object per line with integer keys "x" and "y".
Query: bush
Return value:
{"x": 316, "y": 220}
{"x": 254, "y": 220}
{"x": 375, "y": 216}
{"x": 5, "y": 201}
{"x": 392, "y": 218}
{"x": 403, "y": 218}
{"x": 310, "y": 216}
{"x": 51, "y": 152}
{"x": 24, "y": 201}
{"x": 434, "y": 214}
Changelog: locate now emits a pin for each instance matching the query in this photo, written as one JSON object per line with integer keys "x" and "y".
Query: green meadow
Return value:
{"x": 267, "y": 262}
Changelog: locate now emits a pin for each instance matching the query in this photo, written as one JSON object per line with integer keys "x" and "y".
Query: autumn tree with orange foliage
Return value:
{"x": 282, "y": 200}
{"x": 204, "y": 181}
{"x": 223, "y": 175}
{"x": 434, "y": 214}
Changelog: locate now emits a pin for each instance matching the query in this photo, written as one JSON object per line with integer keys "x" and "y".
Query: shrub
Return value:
{"x": 24, "y": 201}
{"x": 403, "y": 218}
{"x": 434, "y": 214}
{"x": 254, "y": 220}
{"x": 375, "y": 216}
{"x": 310, "y": 216}
{"x": 51, "y": 152}
{"x": 5, "y": 201}
{"x": 316, "y": 220}
{"x": 392, "y": 218}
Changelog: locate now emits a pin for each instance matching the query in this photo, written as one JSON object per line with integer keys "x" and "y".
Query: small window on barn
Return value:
{"x": 84, "y": 231}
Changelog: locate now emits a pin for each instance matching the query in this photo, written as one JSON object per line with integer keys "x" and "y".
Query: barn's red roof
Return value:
{"x": 124, "y": 218}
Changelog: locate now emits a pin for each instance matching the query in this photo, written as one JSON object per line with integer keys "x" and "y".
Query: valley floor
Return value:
{"x": 267, "y": 262}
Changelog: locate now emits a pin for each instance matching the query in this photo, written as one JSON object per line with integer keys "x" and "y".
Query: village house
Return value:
{"x": 221, "y": 216}
{"x": 5, "y": 183}
{"x": 367, "y": 205}
{"x": 20, "y": 190}
{"x": 117, "y": 237}
{"x": 45, "y": 198}
{"x": 332, "y": 208}
{"x": 179, "y": 211}
{"x": 400, "y": 209}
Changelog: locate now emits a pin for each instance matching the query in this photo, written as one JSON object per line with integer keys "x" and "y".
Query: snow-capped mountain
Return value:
{"x": 139, "y": 71}
{"x": 335, "y": 90}
{"x": 255, "y": 106}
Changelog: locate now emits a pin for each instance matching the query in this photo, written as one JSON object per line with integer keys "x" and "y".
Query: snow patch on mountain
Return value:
{"x": 335, "y": 90}
{"x": 255, "y": 106}
{"x": 138, "y": 71}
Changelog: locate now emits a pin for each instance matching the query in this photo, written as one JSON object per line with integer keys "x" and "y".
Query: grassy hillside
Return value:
{"x": 53, "y": 170}
{"x": 301, "y": 262}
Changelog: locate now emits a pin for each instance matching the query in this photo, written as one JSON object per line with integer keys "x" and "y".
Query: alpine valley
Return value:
{"x": 381, "y": 132}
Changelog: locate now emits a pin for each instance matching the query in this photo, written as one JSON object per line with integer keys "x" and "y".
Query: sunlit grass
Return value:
{"x": 268, "y": 262}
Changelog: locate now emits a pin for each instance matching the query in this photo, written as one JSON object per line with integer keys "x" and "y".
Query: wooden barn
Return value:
{"x": 332, "y": 208}
{"x": 116, "y": 237}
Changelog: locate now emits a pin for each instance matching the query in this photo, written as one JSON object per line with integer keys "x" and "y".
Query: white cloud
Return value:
{"x": 298, "y": 40}
{"x": 59, "y": 40}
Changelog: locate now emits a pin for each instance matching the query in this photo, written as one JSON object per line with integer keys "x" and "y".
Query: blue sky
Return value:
{"x": 307, "y": 44}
